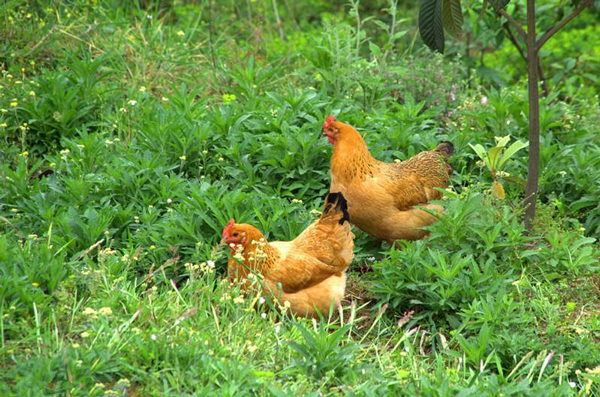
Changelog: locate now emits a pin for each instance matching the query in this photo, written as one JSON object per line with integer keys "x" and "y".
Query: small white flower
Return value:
{"x": 261, "y": 300}
{"x": 277, "y": 328}
{"x": 264, "y": 315}
{"x": 210, "y": 264}
{"x": 153, "y": 336}
{"x": 133, "y": 102}
{"x": 169, "y": 201}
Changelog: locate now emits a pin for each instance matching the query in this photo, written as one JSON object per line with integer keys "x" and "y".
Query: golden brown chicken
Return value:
{"x": 382, "y": 196}
{"x": 309, "y": 271}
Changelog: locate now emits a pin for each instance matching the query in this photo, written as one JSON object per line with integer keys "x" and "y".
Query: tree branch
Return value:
{"x": 510, "y": 19}
{"x": 550, "y": 32}
{"x": 513, "y": 40}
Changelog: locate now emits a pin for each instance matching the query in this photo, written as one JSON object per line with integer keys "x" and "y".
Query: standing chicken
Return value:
{"x": 309, "y": 271}
{"x": 382, "y": 196}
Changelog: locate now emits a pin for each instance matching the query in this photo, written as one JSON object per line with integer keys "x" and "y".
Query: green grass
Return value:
{"x": 131, "y": 134}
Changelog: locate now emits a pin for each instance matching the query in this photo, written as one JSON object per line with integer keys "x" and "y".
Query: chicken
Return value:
{"x": 309, "y": 271}
{"x": 382, "y": 197}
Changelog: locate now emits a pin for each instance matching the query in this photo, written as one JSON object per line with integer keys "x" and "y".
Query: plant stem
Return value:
{"x": 531, "y": 190}
{"x": 279, "y": 25}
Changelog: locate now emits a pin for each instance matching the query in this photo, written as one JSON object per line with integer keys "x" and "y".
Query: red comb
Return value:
{"x": 328, "y": 121}
{"x": 228, "y": 228}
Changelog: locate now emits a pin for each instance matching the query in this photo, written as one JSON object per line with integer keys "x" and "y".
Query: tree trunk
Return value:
{"x": 531, "y": 190}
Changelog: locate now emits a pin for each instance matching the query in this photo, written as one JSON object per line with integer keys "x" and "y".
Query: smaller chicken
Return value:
{"x": 309, "y": 272}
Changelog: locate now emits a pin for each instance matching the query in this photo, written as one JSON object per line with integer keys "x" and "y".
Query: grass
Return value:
{"x": 131, "y": 134}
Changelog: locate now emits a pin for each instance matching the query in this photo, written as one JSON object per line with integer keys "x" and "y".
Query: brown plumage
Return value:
{"x": 382, "y": 196}
{"x": 309, "y": 271}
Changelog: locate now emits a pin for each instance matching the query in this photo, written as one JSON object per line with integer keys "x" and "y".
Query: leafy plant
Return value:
{"x": 496, "y": 158}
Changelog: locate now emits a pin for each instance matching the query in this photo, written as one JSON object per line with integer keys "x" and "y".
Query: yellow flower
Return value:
{"x": 89, "y": 311}
{"x": 3, "y": 110}
{"x": 75, "y": 345}
{"x": 32, "y": 93}
{"x": 238, "y": 300}
{"x": 165, "y": 99}
{"x": 153, "y": 247}
{"x": 35, "y": 285}
{"x": 32, "y": 63}
{"x": 182, "y": 158}
{"x": 180, "y": 33}
{"x": 133, "y": 102}
{"x": 14, "y": 104}
{"x": 85, "y": 334}
{"x": 105, "y": 311}
{"x": 52, "y": 165}
{"x": 142, "y": 89}
{"x": 3, "y": 125}
{"x": 25, "y": 153}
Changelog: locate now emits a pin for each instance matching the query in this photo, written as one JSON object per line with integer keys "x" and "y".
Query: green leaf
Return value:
{"x": 431, "y": 27}
{"x": 382, "y": 25}
{"x": 512, "y": 149}
{"x": 482, "y": 154}
{"x": 452, "y": 17}
{"x": 375, "y": 50}
{"x": 494, "y": 156}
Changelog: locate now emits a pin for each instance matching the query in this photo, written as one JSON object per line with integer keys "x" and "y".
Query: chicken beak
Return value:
{"x": 223, "y": 241}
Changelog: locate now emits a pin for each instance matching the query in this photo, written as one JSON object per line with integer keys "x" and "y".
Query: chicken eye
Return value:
{"x": 235, "y": 234}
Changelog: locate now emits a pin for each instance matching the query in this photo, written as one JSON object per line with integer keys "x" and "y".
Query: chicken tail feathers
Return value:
{"x": 446, "y": 149}
{"x": 336, "y": 205}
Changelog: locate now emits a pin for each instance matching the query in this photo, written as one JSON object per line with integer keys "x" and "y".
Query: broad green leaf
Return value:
{"x": 512, "y": 149}
{"x": 452, "y": 17}
{"x": 431, "y": 27}
{"x": 375, "y": 50}
{"x": 482, "y": 154}
{"x": 399, "y": 34}
{"x": 494, "y": 156}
